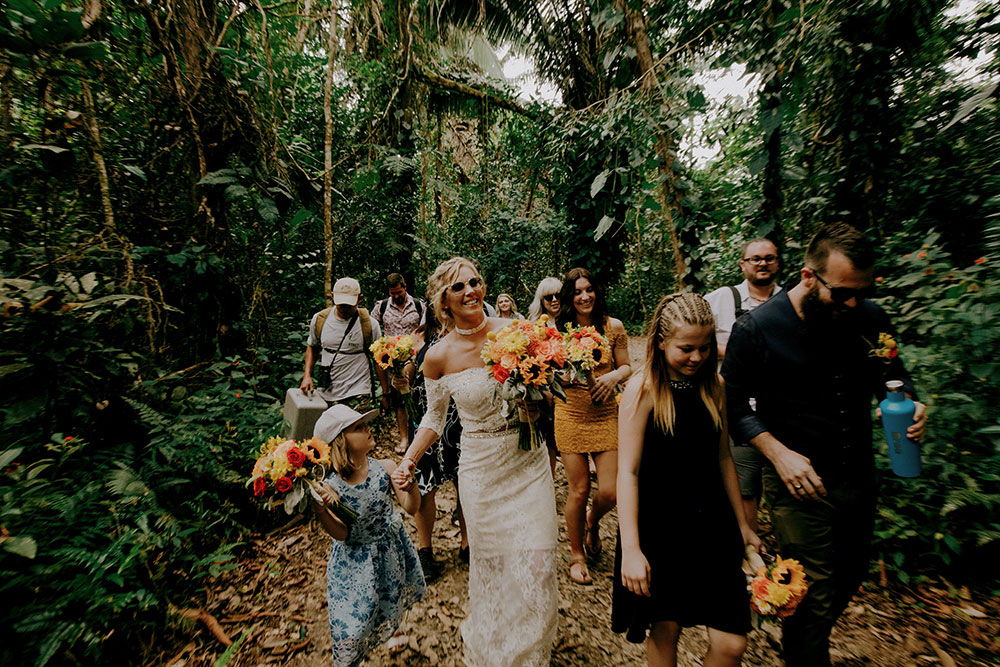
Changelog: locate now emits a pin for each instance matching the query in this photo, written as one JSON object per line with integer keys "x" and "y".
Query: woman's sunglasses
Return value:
{"x": 551, "y": 297}
{"x": 845, "y": 294}
{"x": 472, "y": 282}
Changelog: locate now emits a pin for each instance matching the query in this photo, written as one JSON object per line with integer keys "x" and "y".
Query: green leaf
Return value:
{"x": 41, "y": 147}
{"x": 602, "y": 227}
{"x": 12, "y": 368}
{"x": 22, "y": 546}
{"x": 221, "y": 177}
{"x": 135, "y": 171}
{"x": 86, "y": 51}
{"x": 971, "y": 104}
{"x": 598, "y": 183}
{"x": 223, "y": 660}
{"x": 8, "y": 456}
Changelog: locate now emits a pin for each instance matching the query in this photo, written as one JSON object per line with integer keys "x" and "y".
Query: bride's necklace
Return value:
{"x": 474, "y": 330}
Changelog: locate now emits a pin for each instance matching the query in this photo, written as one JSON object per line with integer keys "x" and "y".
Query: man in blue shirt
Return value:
{"x": 806, "y": 356}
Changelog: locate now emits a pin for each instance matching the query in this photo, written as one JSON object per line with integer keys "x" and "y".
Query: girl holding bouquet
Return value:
{"x": 507, "y": 494}
{"x": 587, "y": 423}
{"x": 674, "y": 453}
{"x": 373, "y": 575}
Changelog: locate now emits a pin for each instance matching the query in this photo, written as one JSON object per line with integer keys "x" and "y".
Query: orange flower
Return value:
{"x": 922, "y": 254}
{"x": 508, "y": 360}
{"x": 789, "y": 572}
{"x": 980, "y": 260}
{"x": 879, "y": 279}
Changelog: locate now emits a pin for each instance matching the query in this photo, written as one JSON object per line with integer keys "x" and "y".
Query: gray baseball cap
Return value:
{"x": 337, "y": 418}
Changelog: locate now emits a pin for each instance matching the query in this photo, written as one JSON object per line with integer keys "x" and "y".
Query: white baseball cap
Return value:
{"x": 336, "y": 419}
{"x": 346, "y": 292}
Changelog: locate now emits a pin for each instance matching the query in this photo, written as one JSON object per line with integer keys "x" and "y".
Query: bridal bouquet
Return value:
{"x": 776, "y": 590}
{"x": 392, "y": 353}
{"x": 586, "y": 349}
{"x": 524, "y": 357}
{"x": 286, "y": 473}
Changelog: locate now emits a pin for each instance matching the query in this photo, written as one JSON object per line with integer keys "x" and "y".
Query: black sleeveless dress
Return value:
{"x": 687, "y": 531}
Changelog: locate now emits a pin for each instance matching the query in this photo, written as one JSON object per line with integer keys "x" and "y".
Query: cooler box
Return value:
{"x": 301, "y": 413}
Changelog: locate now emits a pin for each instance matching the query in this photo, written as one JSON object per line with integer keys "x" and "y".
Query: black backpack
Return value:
{"x": 384, "y": 303}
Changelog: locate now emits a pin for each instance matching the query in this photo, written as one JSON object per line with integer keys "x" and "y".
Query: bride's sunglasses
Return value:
{"x": 472, "y": 282}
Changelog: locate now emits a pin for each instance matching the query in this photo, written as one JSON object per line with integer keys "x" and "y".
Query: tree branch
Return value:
{"x": 443, "y": 83}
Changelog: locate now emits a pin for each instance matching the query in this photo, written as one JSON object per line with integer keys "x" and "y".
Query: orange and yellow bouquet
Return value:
{"x": 776, "y": 590}
{"x": 524, "y": 357}
{"x": 392, "y": 353}
{"x": 586, "y": 349}
{"x": 286, "y": 473}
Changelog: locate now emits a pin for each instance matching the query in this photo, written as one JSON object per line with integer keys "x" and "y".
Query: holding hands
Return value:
{"x": 402, "y": 477}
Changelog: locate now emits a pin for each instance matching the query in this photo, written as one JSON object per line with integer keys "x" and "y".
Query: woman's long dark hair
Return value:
{"x": 567, "y": 312}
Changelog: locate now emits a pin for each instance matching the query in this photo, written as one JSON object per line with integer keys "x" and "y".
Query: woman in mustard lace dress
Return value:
{"x": 586, "y": 425}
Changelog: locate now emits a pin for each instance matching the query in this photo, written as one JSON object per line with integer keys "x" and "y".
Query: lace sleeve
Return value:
{"x": 438, "y": 397}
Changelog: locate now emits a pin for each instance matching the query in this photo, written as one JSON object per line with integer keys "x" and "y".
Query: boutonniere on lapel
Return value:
{"x": 886, "y": 349}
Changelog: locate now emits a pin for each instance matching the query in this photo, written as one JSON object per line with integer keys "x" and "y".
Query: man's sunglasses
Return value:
{"x": 472, "y": 282}
{"x": 551, "y": 297}
{"x": 845, "y": 294}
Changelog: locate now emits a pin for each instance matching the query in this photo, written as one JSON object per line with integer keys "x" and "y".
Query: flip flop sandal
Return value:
{"x": 584, "y": 578}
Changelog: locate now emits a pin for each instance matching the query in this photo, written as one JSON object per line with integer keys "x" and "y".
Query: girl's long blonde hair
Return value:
{"x": 674, "y": 311}
{"x": 340, "y": 459}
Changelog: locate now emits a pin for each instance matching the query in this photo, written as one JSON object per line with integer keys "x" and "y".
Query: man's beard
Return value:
{"x": 761, "y": 282}
{"x": 399, "y": 300}
{"x": 826, "y": 317}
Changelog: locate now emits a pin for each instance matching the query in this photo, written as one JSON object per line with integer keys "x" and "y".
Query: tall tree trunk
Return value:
{"x": 669, "y": 198}
{"x": 328, "y": 162}
{"x": 94, "y": 133}
{"x": 6, "y": 99}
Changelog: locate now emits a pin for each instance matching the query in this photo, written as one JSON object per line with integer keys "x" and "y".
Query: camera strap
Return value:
{"x": 350, "y": 325}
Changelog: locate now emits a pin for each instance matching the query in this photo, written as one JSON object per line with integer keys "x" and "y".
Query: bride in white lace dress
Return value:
{"x": 507, "y": 493}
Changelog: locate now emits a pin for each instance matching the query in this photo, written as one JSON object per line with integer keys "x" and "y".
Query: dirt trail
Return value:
{"x": 277, "y": 599}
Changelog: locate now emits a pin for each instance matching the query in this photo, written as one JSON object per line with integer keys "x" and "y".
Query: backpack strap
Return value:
{"x": 737, "y": 303}
{"x": 420, "y": 309}
{"x": 382, "y": 305}
{"x": 320, "y": 321}
{"x": 366, "y": 338}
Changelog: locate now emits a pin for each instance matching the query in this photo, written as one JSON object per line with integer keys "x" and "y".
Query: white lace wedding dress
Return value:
{"x": 510, "y": 512}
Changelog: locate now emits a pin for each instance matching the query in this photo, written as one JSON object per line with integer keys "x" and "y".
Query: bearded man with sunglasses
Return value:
{"x": 806, "y": 356}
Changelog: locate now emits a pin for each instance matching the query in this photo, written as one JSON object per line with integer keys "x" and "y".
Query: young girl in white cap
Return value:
{"x": 373, "y": 576}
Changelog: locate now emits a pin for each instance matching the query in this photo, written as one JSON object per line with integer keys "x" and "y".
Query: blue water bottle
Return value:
{"x": 897, "y": 416}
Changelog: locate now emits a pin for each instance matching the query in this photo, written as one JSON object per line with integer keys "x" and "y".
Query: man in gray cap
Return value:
{"x": 340, "y": 338}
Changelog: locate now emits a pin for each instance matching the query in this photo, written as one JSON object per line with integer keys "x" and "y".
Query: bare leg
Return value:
{"x": 403, "y": 422}
{"x": 552, "y": 462}
{"x": 578, "y": 476}
{"x": 724, "y": 649}
{"x": 661, "y": 646}
{"x": 461, "y": 518}
{"x": 606, "y": 497}
{"x": 424, "y": 518}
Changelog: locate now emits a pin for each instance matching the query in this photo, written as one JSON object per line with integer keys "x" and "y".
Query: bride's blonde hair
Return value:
{"x": 444, "y": 277}
{"x": 674, "y": 311}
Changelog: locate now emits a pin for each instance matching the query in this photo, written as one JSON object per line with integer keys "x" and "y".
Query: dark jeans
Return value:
{"x": 832, "y": 539}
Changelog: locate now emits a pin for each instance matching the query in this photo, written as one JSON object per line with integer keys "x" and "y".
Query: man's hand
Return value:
{"x": 797, "y": 473}
{"x": 918, "y": 429}
{"x": 402, "y": 476}
{"x": 307, "y": 384}
{"x": 604, "y": 387}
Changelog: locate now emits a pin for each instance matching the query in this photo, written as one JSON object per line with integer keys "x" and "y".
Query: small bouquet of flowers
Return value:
{"x": 887, "y": 349}
{"x": 586, "y": 349}
{"x": 392, "y": 353}
{"x": 775, "y": 591}
{"x": 287, "y": 472}
{"x": 524, "y": 357}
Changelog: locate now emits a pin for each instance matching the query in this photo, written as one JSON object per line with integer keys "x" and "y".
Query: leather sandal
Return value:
{"x": 584, "y": 574}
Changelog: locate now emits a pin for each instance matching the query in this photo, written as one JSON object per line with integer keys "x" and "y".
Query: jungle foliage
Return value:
{"x": 181, "y": 180}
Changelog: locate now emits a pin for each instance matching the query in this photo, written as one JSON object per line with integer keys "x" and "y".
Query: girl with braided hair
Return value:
{"x": 673, "y": 452}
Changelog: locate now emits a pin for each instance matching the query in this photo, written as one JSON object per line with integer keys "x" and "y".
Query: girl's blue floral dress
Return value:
{"x": 374, "y": 576}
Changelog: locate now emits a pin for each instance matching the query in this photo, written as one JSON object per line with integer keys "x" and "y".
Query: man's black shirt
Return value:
{"x": 813, "y": 387}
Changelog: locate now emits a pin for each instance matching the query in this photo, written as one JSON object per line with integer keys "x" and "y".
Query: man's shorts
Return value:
{"x": 748, "y": 463}
{"x": 361, "y": 403}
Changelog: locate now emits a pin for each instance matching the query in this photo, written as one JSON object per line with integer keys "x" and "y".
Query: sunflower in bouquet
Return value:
{"x": 776, "y": 591}
{"x": 524, "y": 358}
{"x": 392, "y": 353}
{"x": 287, "y": 472}
{"x": 586, "y": 349}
